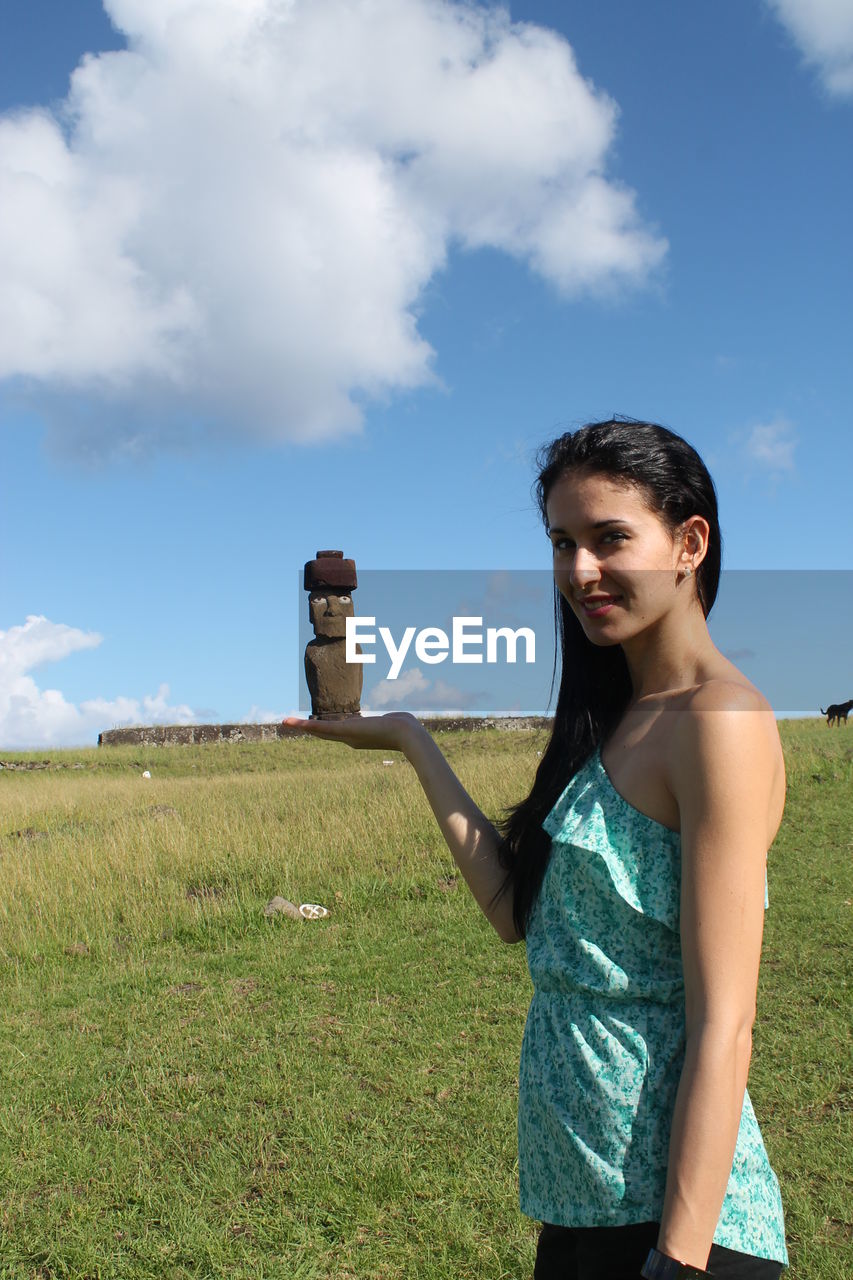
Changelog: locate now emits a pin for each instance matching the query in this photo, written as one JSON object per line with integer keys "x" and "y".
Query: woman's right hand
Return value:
{"x": 391, "y": 732}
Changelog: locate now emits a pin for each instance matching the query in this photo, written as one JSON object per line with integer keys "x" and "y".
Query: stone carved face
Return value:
{"x": 329, "y": 610}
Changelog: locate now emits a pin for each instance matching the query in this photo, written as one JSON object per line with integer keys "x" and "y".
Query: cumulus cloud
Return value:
{"x": 37, "y": 642}
{"x": 233, "y": 220}
{"x": 413, "y": 692}
{"x": 32, "y": 717}
{"x": 263, "y": 715}
{"x": 772, "y": 445}
{"x": 823, "y": 32}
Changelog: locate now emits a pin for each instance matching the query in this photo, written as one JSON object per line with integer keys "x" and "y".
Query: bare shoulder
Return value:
{"x": 722, "y": 708}
{"x": 725, "y": 750}
{"x": 726, "y": 693}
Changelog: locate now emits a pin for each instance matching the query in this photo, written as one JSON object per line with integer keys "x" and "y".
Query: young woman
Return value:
{"x": 636, "y": 872}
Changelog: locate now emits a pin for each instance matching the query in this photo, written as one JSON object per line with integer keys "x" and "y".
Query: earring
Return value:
{"x": 688, "y": 571}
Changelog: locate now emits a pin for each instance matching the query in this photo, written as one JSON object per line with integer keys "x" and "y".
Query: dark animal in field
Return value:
{"x": 837, "y": 711}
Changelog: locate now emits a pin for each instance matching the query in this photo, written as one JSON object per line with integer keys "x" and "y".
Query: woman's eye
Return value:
{"x": 565, "y": 544}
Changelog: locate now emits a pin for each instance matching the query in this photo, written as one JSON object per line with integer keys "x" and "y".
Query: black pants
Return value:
{"x": 618, "y": 1253}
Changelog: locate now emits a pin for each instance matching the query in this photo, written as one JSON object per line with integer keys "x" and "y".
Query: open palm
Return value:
{"x": 389, "y": 732}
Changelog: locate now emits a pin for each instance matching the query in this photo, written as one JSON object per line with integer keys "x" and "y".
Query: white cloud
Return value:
{"x": 772, "y": 445}
{"x": 31, "y": 717}
{"x": 262, "y": 715}
{"x": 39, "y": 641}
{"x": 414, "y": 692}
{"x": 392, "y": 693}
{"x": 823, "y": 32}
{"x": 234, "y": 219}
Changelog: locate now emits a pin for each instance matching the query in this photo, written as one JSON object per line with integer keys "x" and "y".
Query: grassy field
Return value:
{"x": 192, "y": 1089}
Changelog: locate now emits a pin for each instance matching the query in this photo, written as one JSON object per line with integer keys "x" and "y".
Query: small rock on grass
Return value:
{"x": 281, "y": 907}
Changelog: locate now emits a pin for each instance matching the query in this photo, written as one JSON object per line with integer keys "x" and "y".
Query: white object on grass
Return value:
{"x": 146, "y": 774}
{"x": 313, "y": 911}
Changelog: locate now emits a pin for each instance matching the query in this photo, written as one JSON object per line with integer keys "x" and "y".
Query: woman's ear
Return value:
{"x": 694, "y": 539}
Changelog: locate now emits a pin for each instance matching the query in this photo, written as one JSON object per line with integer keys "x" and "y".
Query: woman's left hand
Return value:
{"x": 391, "y": 732}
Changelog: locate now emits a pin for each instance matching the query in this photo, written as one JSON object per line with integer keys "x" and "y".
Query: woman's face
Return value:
{"x": 615, "y": 561}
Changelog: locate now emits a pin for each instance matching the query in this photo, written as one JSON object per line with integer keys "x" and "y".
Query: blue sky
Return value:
{"x": 273, "y": 286}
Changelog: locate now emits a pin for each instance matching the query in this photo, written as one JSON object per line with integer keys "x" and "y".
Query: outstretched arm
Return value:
{"x": 471, "y": 838}
{"x": 724, "y": 774}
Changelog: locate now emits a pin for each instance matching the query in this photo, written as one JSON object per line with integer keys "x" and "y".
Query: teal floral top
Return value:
{"x": 604, "y": 1039}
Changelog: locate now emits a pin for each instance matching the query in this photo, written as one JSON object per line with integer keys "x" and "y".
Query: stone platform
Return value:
{"x": 173, "y": 735}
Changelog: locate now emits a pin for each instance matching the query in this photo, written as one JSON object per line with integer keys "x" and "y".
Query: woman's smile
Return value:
{"x": 598, "y": 606}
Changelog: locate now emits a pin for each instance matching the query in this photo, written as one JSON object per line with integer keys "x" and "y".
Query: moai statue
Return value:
{"x": 334, "y": 684}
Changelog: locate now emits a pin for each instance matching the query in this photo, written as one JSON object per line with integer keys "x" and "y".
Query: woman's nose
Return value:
{"x": 584, "y": 568}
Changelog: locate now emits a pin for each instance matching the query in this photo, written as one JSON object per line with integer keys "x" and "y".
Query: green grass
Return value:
{"x": 190, "y": 1089}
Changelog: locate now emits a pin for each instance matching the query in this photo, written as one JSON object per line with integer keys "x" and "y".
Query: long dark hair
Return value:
{"x": 595, "y": 686}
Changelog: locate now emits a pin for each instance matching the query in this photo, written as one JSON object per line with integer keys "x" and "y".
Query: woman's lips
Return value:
{"x": 600, "y": 606}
